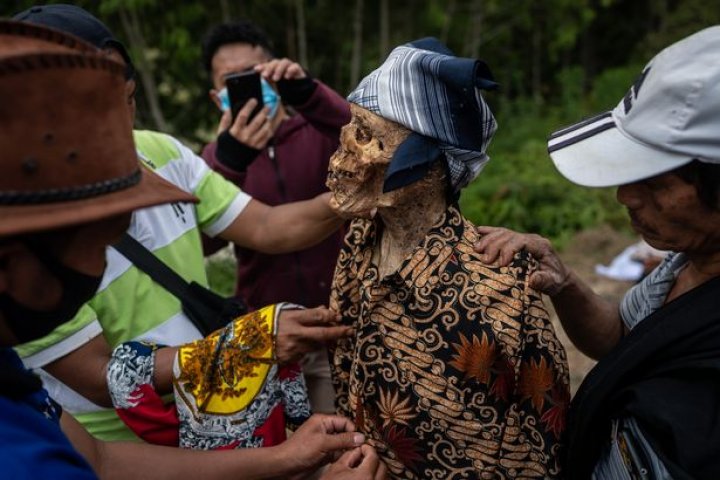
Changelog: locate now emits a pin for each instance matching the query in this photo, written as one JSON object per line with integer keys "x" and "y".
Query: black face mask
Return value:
{"x": 28, "y": 324}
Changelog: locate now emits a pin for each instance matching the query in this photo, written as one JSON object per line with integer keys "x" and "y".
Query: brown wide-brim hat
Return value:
{"x": 68, "y": 155}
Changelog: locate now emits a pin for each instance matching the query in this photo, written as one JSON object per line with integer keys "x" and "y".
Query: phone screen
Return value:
{"x": 242, "y": 87}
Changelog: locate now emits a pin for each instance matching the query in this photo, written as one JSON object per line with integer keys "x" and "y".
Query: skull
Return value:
{"x": 357, "y": 169}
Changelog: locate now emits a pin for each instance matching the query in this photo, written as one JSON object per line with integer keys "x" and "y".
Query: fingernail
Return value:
{"x": 358, "y": 439}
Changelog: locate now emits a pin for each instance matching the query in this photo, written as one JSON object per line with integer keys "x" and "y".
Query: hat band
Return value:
{"x": 70, "y": 193}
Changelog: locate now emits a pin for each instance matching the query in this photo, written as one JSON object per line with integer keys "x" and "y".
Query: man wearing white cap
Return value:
{"x": 649, "y": 408}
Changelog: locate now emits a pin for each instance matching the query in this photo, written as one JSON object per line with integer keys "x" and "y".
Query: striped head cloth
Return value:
{"x": 423, "y": 86}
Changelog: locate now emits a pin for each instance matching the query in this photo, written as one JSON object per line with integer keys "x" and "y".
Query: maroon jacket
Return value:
{"x": 302, "y": 148}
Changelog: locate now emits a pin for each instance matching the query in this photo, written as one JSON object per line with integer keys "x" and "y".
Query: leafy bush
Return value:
{"x": 521, "y": 189}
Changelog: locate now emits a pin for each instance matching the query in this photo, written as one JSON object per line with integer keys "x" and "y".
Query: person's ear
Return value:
{"x": 214, "y": 96}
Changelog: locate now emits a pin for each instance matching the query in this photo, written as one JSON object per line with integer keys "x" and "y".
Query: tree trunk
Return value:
{"x": 301, "y": 36}
{"x": 472, "y": 47}
{"x": 291, "y": 32}
{"x": 384, "y": 29}
{"x": 356, "y": 59}
{"x": 537, "y": 53}
{"x": 225, "y": 14}
{"x": 133, "y": 32}
{"x": 449, "y": 14}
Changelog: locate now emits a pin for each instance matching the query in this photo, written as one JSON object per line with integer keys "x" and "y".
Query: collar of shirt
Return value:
{"x": 423, "y": 267}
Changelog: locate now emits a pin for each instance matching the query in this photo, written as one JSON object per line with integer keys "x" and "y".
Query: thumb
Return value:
{"x": 543, "y": 282}
{"x": 343, "y": 441}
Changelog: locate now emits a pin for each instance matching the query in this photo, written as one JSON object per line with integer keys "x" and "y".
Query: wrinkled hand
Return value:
{"x": 256, "y": 133}
{"x": 304, "y": 331}
{"x": 318, "y": 441}
{"x": 359, "y": 464}
{"x": 499, "y": 245}
{"x": 280, "y": 69}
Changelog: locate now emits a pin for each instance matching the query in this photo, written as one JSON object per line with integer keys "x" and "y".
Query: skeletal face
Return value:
{"x": 357, "y": 168}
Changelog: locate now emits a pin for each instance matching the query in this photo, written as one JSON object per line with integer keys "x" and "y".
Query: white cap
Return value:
{"x": 670, "y": 116}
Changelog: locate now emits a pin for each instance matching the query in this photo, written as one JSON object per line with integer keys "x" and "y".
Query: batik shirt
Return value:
{"x": 454, "y": 370}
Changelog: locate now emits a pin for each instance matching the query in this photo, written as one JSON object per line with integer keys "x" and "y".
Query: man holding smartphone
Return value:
{"x": 277, "y": 158}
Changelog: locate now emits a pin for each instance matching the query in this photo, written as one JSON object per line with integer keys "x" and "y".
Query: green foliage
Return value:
{"x": 221, "y": 274}
{"x": 521, "y": 190}
{"x": 611, "y": 84}
{"x": 556, "y": 61}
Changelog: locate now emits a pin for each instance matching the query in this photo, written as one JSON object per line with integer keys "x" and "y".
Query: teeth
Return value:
{"x": 340, "y": 175}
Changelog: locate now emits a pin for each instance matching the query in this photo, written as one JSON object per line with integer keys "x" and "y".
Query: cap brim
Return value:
{"x": 151, "y": 190}
{"x": 595, "y": 153}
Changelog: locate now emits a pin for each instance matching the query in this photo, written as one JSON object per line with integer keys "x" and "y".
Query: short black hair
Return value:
{"x": 241, "y": 31}
{"x": 706, "y": 179}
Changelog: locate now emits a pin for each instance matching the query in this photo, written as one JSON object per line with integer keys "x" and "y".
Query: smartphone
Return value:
{"x": 242, "y": 87}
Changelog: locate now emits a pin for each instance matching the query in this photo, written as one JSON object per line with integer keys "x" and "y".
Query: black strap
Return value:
{"x": 207, "y": 310}
{"x": 146, "y": 261}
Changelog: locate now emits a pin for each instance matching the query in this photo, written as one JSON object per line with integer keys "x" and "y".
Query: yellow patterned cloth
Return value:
{"x": 227, "y": 386}
{"x": 454, "y": 370}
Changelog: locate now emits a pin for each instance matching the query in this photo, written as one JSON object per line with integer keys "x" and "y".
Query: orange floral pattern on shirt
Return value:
{"x": 454, "y": 370}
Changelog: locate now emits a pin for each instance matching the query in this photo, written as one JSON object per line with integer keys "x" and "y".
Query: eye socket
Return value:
{"x": 362, "y": 136}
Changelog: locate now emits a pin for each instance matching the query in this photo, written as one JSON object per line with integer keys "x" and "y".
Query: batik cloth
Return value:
{"x": 228, "y": 390}
{"x": 424, "y": 87}
{"x": 454, "y": 370}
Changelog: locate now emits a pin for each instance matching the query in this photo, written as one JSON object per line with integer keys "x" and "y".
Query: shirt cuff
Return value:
{"x": 296, "y": 92}
{"x": 234, "y": 154}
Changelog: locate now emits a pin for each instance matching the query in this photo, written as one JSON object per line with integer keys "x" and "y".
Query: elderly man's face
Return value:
{"x": 668, "y": 213}
{"x": 357, "y": 168}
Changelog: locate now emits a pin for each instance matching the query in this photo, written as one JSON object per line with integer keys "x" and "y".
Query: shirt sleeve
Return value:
{"x": 66, "y": 338}
{"x": 221, "y": 202}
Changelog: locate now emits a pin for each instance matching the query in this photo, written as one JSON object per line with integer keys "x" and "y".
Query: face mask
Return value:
{"x": 270, "y": 97}
{"x": 224, "y": 99}
{"x": 28, "y": 324}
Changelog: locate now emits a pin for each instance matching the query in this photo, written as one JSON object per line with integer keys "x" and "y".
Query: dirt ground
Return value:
{"x": 587, "y": 249}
